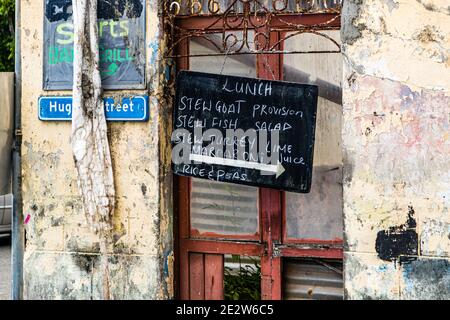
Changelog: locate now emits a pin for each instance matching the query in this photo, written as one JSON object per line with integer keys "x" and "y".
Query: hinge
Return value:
{"x": 276, "y": 252}
{"x": 17, "y": 140}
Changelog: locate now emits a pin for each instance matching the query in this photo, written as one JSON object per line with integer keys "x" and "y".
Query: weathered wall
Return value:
{"x": 62, "y": 254}
{"x": 396, "y": 134}
{"x": 396, "y": 102}
{"x": 6, "y": 129}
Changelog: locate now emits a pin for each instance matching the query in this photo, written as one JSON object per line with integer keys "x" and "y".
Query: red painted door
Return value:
{"x": 216, "y": 220}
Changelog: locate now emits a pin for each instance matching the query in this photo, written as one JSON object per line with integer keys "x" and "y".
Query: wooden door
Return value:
{"x": 202, "y": 245}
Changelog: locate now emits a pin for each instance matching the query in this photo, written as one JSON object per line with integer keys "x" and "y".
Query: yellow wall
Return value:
{"x": 62, "y": 254}
{"x": 396, "y": 103}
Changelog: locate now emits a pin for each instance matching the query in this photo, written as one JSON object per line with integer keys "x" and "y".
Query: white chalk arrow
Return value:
{"x": 277, "y": 169}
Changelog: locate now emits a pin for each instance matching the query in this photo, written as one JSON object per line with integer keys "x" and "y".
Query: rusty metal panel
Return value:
{"x": 224, "y": 209}
{"x": 313, "y": 279}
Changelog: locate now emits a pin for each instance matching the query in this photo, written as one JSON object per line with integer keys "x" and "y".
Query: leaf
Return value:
{"x": 6, "y": 35}
{"x": 245, "y": 284}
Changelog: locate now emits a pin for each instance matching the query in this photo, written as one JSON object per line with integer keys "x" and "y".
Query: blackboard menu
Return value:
{"x": 244, "y": 130}
{"x": 121, "y": 28}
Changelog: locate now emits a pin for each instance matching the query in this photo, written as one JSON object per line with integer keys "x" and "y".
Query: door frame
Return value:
{"x": 273, "y": 244}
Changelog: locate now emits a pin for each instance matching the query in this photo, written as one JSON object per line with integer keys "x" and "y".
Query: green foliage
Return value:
{"x": 244, "y": 284}
{"x": 6, "y": 35}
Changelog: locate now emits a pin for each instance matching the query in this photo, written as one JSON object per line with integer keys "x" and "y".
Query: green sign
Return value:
{"x": 121, "y": 28}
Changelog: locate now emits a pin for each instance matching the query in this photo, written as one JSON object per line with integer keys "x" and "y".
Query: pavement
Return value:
{"x": 5, "y": 268}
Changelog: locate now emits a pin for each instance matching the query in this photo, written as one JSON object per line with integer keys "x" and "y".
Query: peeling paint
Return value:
{"x": 398, "y": 243}
{"x": 62, "y": 254}
{"x": 396, "y": 130}
{"x": 351, "y": 30}
{"x": 426, "y": 279}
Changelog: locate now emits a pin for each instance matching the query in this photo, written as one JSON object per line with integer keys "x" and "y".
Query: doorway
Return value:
{"x": 232, "y": 238}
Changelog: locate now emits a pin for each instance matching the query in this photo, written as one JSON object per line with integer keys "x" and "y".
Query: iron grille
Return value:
{"x": 256, "y": 21}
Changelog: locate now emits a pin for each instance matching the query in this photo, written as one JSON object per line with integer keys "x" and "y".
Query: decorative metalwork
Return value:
{"x": 245, "y": 26}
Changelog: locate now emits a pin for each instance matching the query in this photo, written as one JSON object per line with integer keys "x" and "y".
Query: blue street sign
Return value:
{"x": 129, "y": 109}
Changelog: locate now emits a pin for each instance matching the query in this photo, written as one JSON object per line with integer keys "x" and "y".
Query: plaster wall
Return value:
{"x": 396, "y": 109}
{"x": 62, "y": 258}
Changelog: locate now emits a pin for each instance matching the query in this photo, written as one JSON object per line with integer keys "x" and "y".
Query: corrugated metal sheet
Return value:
{"x": 224, "y": 208}
{"x": 317, "y": 279}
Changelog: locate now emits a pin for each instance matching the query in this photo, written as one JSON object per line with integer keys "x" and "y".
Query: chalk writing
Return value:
{"x": 244, "y": 130}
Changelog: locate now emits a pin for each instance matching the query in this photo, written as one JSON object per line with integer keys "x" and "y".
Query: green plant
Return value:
{"x": 6, "y": 35}
{"x": 243, "y": 284}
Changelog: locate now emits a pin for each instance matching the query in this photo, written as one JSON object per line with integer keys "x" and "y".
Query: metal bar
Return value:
{"x": 312, "y": 252}
{"x": 254, "y": 52}
{"x": 329, "y": 266}
{"x": 285, "y": 21}
{"x": 312, "y": 242}
{"x": 195, "y": 26}
{"x": 288, "y": 248}
{"x": 17, "y": 219}
{"x": 265, "y": 9}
